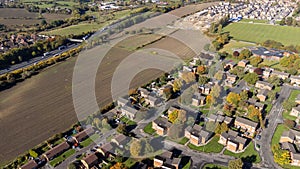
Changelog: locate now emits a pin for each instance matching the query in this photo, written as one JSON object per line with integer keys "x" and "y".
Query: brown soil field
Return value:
{"x": 11, "y": 22}
{"x": 16, "y": 13}
{"x": 53, "y": 16}
{"x": 42, "y": 106}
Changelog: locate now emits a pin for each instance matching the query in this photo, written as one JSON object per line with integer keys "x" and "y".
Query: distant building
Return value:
{"x": 295, "y": 111}
{"x": 264, "y": 85}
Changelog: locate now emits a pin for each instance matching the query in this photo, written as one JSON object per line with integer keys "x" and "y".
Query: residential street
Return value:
{"x": 274, "y": 118}
{"x": 101, "y": 139}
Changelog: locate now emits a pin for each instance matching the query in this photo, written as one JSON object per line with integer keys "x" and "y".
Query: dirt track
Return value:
{"x": 42, "y": 106}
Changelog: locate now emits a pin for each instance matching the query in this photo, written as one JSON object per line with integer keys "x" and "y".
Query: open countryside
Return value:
{"x": 259, "y": 33}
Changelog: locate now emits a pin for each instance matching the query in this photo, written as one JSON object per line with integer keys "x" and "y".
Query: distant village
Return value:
{"x": 271, "y": 11}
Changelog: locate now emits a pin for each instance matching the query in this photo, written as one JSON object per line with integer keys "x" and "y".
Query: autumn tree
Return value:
{"x": 168, "y": 92}
{"x": 135, "y": 147}
{"x": 97, "y": 123}
{"x": 244, "y": 95}
{"x": 228, "y": 109}
{"x": 33, "y": 154}
{"x": 219, "y": 75}
{"x": 188, "y": 77}
{"x": 254, "y": 113}
{"x": 173, "y": 116}
{"x": 118, "y": 165}
{"x": 181, "y": 118}
{"x": 233, "y": 98}
{"x": 177, "y": 85}
{"x": 122, "y": 128}
{"x": 221, "y": 128}
{"x": 203, "y": 80}
{"x": 215, "y": 93}
{"x": 201, "y": 69}
{"x": 235, "y": 164}
{"x": 289, "y": 123}
{"x": 281, "y": 157}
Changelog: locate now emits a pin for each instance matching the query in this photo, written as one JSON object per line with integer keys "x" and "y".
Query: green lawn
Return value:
{"x": 259, "y": 33}
{"x": 212, "y": 147}
{"x": 278, "y": 132}
{"x": 148, "y": 129}
{"x": 286, "y": 115}
{"x": 183, "y": 141}
{"x": 129, "y": 162}
{"x": 214, "y": 166}
{"x": 89, "y": 140}
{"x": 62, "y": 157}
{"x": 250, "y": 154}
{"x": 294, "y": 95}
{"x": 127, "y": 121}
{"x": 233, "y": 45}
{"x": 188, "y": 165}
{"x": 75, "y": 29}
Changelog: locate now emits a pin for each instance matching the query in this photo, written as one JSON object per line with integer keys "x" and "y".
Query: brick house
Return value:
{"x": 90, "y": 160}
{"x": 262, "y": 95}
{"x": 295, "y": 80}
{"x": 161, "y": 126}
{"x": 232, "y": 141}
{"x": 246, "y": 125}
{"x": 197, "y": 135}
{"x": 264, "y": 85}
{"x": 280, "y": 75}
{"x": 243, "y": 63}
{"x": 166, "y": 161}
{"x": 31, "y": 164}
{"x": 295, "y": 111}
{"x": 198, "y": 99}
{"x": 56, "y": 151}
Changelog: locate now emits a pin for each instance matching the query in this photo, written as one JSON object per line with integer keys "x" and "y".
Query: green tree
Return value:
{"x": 245, "y": 53}
{"x": 235, "y": 164}
{"x": 255, "y": 61}
{"x": 251, "y": 78}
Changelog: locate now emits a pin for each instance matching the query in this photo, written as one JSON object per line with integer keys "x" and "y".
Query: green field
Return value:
{"x": 261, "y": 32}
{"x": 212, "y": 147}
{"x": 250, "y": 154}
{"x": 278, "y": 132}
{"x": 75, "y": 29}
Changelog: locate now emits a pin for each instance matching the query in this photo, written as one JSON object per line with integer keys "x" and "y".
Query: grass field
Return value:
{"x": 250, "y": 154}
{"x": 148, "y": 129}
{"x": 212, "y": 147}
{"x": 233, "y": 45}
{"x": 278, "y": 132}
{"x": 75, "y": 29}
{"x": 260, "y": 32}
